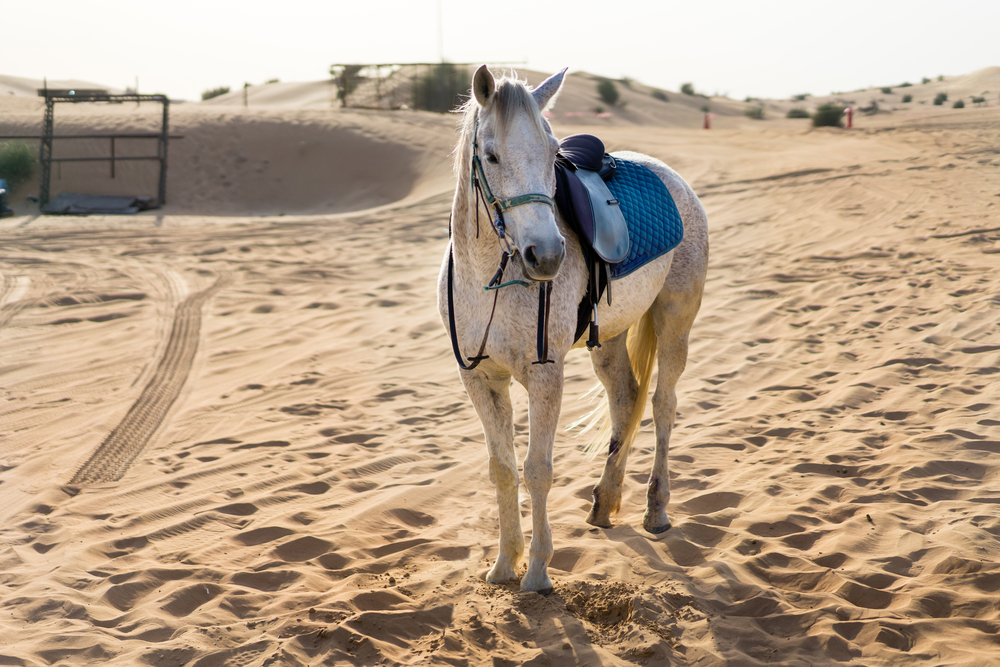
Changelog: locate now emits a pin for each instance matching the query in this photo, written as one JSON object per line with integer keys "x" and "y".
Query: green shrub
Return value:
{"x": 688, "y": 88}
{"x": 976, "y": 99}
{"x": 959, "y": 104}
{"x": 607, "y": 91}
{"x": 627, "y": 81}
{"x": 214, "y": 92}
{"x": 704, "y": 108}
{"x": 940, "y": 99}
{"x": 441, "y": 89}
{"x": 905, "y": 84}
{"x": 757, "y": 113}
{"x": 828, "y": 115}
{"x": 887, "y": 91}
{"x": 17, "y": 161}
{"x": 907, "y": 99}
{"x": 925, "y": 80}
{"x": 798, "y": 113}
{"x": 660, "y": 95}
{"x": 801, "y": 97}
{"x": 347, "y": 78}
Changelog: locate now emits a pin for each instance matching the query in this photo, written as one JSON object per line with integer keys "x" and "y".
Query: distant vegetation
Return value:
{"x": 887, "y": 91}
{"x": 17, "y": 162}
{"x": 940, "y": 99}
{"x": 607, "y": 91}
{"x": 976, "y": 99}
{"x": 907, "y": 99}
{"x": 214, "y": 92}
{"x": 757, "y": 113}
{"x": 801, "y": 97}
{"x": 959, "y": 104}
{"x": 627, "y": 81}
{"x": 272, "y": 81}
{"x": 347, "y": 78}
{"x": 798, "y": 113}
{"x": 688, "y": 89}
{"x": 660, "y": 95}
{"x": 925, "y": 80}
{"x": 441, "y": 89}
{"x": 905, "y": 84}
{"x": 828, "y": 115}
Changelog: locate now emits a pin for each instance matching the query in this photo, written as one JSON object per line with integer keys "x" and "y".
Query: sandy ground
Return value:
{"x": 238, "y": 439}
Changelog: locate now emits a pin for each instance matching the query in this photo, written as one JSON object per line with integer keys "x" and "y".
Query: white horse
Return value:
{"x": 504, "y": 131}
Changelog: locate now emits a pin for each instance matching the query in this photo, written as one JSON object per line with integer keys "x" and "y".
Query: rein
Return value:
{"x": 485, "y": 193}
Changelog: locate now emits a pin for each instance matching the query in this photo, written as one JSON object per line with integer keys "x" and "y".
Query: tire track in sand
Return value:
{"x": 111, "y": 460}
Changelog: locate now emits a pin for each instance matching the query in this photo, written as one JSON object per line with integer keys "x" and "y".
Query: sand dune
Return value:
{"x": 240, "y": 439}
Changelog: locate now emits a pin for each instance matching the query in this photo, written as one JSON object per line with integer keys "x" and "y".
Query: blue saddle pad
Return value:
{"x": 654, "y": 225}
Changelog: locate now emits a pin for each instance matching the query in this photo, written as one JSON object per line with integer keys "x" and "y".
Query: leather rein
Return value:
{"x": 484, "y": 195}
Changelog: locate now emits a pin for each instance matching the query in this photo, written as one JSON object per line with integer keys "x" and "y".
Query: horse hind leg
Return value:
{"x": 672, "y": 319}
{"x": 614, "y": 369}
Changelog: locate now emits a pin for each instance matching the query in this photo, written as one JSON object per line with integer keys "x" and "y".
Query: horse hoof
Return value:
{"x": 657, "y": 530}
{"x": 540, "y": 584}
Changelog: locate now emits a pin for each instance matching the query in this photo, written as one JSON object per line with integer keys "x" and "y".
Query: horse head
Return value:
{"x": 516, "y": 152}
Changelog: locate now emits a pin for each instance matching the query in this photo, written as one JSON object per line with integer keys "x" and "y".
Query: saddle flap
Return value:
{"x": 610, "y": 238}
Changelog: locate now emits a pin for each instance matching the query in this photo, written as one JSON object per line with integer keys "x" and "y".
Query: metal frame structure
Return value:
{"x": 52, "y": 97}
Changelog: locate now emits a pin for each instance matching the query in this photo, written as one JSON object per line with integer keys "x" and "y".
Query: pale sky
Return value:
{"x": 767, "y": 48}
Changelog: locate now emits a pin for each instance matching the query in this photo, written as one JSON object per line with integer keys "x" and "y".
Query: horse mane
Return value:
{"x": 511, "y": 97}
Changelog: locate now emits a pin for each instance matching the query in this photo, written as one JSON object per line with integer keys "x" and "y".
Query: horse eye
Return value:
{"x": 492, "y": 159}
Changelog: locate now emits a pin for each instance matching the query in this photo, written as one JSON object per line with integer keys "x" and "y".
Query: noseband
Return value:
{"x": 498, "y": 207}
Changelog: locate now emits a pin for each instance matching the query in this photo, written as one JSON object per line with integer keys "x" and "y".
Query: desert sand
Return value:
{"x": 232, "y": 432}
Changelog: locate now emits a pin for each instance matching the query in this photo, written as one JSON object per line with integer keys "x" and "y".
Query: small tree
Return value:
{"x": 688, "y": 88}
{"x": 757, "y": 113}
{"x": 887, "y": 91}
{"x": 798, "y": 113}
{"x": 907, "y": 99}
{"x": 660, "y": 95}
{"x": 959, "y": 104}
{"x": 801, "y": 97}
{"x": 940, "y": 99}
{"x": 925, "y": 80}
{"x": 828, "y": 115}
{"x": 17, "y": 162}
{"x": 214, "y": 92}
{"x": 905, "y": 84}
{"x": 607, "y": 91}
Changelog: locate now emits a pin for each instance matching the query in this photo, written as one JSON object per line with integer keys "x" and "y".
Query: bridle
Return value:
{"x": 484, "y": 194}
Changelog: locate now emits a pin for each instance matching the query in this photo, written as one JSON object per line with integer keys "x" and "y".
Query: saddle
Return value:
{"x": 594, "y": 214}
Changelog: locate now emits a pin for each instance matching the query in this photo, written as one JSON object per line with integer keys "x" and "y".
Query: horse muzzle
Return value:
{"x": 541, "y": 259}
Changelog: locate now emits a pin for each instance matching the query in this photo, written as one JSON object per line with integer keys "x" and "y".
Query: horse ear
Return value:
{"x": 483, "y": 86}
{"x": 546, "y": 93}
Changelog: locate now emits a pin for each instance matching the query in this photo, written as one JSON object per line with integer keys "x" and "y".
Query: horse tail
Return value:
{"x": 641, "y": 346}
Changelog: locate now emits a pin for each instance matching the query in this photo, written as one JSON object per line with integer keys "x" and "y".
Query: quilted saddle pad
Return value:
{"x": 654, "y": 224}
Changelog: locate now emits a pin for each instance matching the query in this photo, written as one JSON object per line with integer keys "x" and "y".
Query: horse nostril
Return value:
{"x": 529, "y": 255}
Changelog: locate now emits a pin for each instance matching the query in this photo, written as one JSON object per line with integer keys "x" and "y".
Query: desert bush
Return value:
{"x": 607, "y": 91}
{"x": 757, "y": 113}
{"x": 17, "y": 162}
{"x": 688, "y": 89}
{"x": 907, "y": 99}
{"x": 905, "y": 84}
{"x": 828, "y": 115}
{"x": 441, "y": 89}
{"x": 704, "y": 108}
{"x": 959, "y": 104}
{"x": 627, "y": 81}
{"x": 976, "y": 99}
{"x": 272, "y": 81}
{"x": 887, "y": 90}
{"x": 925, "y": 80}
{"x": 660, "y": 95}
{"x": 214, "y": 92}
{"x": 801, "y": 97}
{"x": 940, "y": 99}
{"x": 798, "y": 113}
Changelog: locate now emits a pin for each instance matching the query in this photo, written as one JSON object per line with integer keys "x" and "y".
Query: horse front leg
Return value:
{"x": 490, "y": 395}
{"x": 544, "y": 402}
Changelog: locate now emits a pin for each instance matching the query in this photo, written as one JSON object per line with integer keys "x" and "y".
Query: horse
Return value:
{"x": 506, "y": 154}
